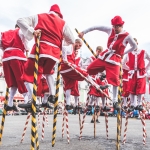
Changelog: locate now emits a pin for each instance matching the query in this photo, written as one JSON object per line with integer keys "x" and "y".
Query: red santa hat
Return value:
{"x": 56, "y": 9}
{"x": 117, "y": 20}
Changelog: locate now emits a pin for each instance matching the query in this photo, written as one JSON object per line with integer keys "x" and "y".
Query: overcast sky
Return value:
{"x": 82, "y": 14}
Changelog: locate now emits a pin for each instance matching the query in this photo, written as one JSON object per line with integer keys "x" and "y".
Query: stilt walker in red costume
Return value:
{"x": 137, "y": 76}
{"x": 53, "y": 30}
{"x": 110, "y": 59}
{"x": 125, "y": 78}
{"x": 70, "y": 77}
{"x": 14, "y": 45}
{"x": 78, "y": 62}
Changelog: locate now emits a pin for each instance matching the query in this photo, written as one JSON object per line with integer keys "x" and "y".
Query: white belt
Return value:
{"x": 48, "y": 43}
{"x": 112, "y": 51}
{"x": 12, "y": 48}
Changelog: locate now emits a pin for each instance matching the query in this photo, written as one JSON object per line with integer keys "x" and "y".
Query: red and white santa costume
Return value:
{"x": 137, "y": 75}
{"x": 69, "y": 76}
{"x": 97, "y": 94}
{"x": 14, "y": 44}
{"x": 75, "y": 92}
{"x": 110, "y": 58}
{"x": 94, "y": 95}
{"x": 125, "y": 92}
{"x": 53, "y": 30}
{"x": 125, "y": 81}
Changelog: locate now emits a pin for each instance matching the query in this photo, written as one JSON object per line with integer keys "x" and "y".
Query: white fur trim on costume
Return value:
{"x": 112, "y": 61}
{"x": 12, "y": 48}
{"x": 48, "y": 43}
{"x": 44, "y": 55}
{"x": 14, "y": 57}
{"x": 67, "y": 70}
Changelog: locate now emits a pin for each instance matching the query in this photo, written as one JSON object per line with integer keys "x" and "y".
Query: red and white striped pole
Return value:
{"x": 106, "y": 121}
{"x": 87, "y": 101}
{"x": 25, "y": 128}
{"x": 39, "y": 119}
{"x": 79, "y": 114}
{"x": 46, "y": 118}
{"x": 43, "y": 124}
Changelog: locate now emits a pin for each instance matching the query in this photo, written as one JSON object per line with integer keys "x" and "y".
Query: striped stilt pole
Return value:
{"x": 87, "y": 44}
{"x": 4, "y": 114}
{"x": 63, "y": 123}
{"x": 67, "y": 127}
{"x": 121, "y": 118}
{"x": 46, "y": 119}
{"x": 43, "y": 124}
{"x": 126, "y": 123}
{"x": 119, "y": 115}
{"x": 56, "y": 102}
{"x": 79, "y": 114}
{"x": 39, "y": 119}
{"x": 34, "y": 133}
{"x": 83, "y": 120}
{"x": 125, "y": 130}
{"x": 106, "y": 121}
{"x": 144, "y": 130}
{"x": 25, "y": 128}
{"x": 94, "y": 118}
{"x": 64, "y": 113}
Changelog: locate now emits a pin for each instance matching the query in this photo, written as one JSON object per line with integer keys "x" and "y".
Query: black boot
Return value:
{"x": 97, "y": 121}
{"x": 46, "y": 105}
{"x": 103, "y": 87}
{"x": 137, "y": 107}
{"x": 106, "y": 108}
{"x": 92, "y": 121}
{"x": 75, "y": 110}
{"x": 89, "y": 108}
{"x": 131, "y": 109}
{"x": 116, "y": 106}
{"x": 69, "y": 107}
{"x": 140, "y": 108}
{"x": 14, "y": 108}
{"x": 51, "y": 99}
{"x": 28, "y": 107}
{"x": 97, "y": 108}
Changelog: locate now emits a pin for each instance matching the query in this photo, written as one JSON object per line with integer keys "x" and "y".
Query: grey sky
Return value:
{"x": 82, "y": 14}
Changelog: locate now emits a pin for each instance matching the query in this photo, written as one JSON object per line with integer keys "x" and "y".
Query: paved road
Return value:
{"x": 14, "y": 127}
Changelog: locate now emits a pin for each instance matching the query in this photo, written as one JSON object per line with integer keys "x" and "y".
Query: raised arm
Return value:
{"x": 99, "y": 28}
{"x": 24, "y": 40}
{"x": 27, "y": 25}
{"x": 132, "y": 43}
{"x": 68, "y": 35}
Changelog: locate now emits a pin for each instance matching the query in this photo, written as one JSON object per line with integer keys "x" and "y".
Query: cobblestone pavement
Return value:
{"x": 14, "y": 127}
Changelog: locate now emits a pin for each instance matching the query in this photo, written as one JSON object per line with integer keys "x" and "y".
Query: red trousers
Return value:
{"x": 45, "y": 66}
{"x": 125, "y": 92}
{"x": 13, "y": 70}
{"x": 137, "y": 85}
{"x": 112, "y": 71}
{"x": 70, "y": 78}
{"x": 42, "y": 87}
